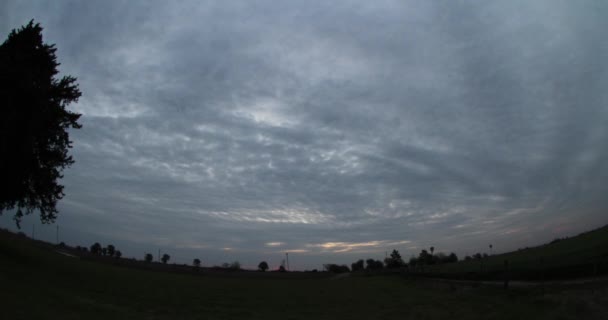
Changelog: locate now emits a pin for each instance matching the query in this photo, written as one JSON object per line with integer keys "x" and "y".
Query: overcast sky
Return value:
{"x": 239, "y": 130}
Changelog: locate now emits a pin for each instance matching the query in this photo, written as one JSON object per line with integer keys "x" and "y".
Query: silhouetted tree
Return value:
{"x": 358, "y": 266}
{"x": 467, "y": 258}
{"x": 394, "y": 261}
{"x": 34, "y": 123}
{"x": 334, "y": 268}
{"x": 117, "y": 254}
{"x": 413, "y": 261}
{"x": 196, "y": 262}
{"x": 282, "y": 268}
{"x": 432, "y": 250}
{"x": 372, "y": 264}
{"x": 148, "y": 257}
{"x": 424, "y": 258}
{"x": 439, "y": 258}
{"x": 263, "y": 266}
{"x": 96, "y": 248}
{"x": 104, "y": 251}
{"x": 165, "y": 258}
{"x": 235, "y": 265}
{"x": 452, "y": 258}
{"x": 111, "y": 250}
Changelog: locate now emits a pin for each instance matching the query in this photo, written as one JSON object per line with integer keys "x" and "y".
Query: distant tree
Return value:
{"x": 439, "y": 258}
{"x": 104, "y": 251}
{"x": 452, "y": 258}
{"x": 235, "y": 265}
{"x": 282, "y": 268}
{"x": 225, "y": 265}
{"x": 165, "y": 258}
{"x": 111, "y": 250}
{"x": 148, "y": 257}
{"x": 117, "y": 254}
{"x": 467, "y": 258}
{"x": 432, "y": 250}
{"x": 334, "y": 268}
{"x": 196, "y": 262}
{"x": 263, "y": 266}
{"x": 477, "y": 256}
{"x": 394, "y": 260}
{"x": 372, "y": 264}
{"x": 358, "y": 266}
{"x": 413, "y": 261}
{"x": 34, "y": 123}
{"x": 96, "y": 248}
{"x": 424, "y": 258}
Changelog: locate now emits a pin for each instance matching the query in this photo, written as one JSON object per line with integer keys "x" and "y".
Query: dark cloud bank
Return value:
{"x": 241, "y": 130}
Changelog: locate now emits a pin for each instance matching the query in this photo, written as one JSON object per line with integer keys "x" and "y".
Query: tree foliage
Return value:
{"x": 358, "y": 266}
{"x": 394, "y": 260}
{"x": 196, "y": 262}
{"x": 165, "y": 258}
{"x": 372, "y": 264}
{"x": 263, "y": 266}
{"x": 334, "y": 268}
{"x": 34, "y": 124}
{"x": 148, "y": 257}
{"x": 111, "y": 250}
{"x": 96, "y": 248}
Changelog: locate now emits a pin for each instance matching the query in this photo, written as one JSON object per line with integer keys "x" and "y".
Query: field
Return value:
{"x": 585, "y": 255}
{"x": 38, "y": 283}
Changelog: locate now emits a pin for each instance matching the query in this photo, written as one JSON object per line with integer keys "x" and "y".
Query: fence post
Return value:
{"x": 506, "y": 275}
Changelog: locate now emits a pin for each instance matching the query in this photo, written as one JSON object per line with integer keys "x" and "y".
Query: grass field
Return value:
{"x": 38, "y": 283}
{"x": 585, "y": 255}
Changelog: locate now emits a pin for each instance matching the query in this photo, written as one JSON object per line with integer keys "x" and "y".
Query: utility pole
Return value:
{"x": 287, "y": 258}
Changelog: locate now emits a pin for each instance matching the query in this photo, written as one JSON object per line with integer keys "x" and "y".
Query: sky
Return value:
{"x": 241, "y": 130}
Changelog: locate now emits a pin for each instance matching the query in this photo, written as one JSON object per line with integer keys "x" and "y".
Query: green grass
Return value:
{"x": 585, "y": 255}
{"x": 40, "y": 284}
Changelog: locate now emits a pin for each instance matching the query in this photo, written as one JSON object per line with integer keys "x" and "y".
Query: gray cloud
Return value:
{"x": 337, "y": 130}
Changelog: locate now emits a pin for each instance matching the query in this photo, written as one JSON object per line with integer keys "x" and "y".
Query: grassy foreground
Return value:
{"x": 38, "y": 283}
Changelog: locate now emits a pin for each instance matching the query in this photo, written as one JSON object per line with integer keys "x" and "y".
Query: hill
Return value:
{"x": 585, "y": 255}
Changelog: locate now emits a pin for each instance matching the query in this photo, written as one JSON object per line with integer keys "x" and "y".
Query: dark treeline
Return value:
{"x": 395, "y": 261}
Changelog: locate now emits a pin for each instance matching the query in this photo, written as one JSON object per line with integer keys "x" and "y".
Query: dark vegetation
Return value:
{"x": 39, "y": 283}
{"x": 34, "y": 123}
{"x": 585, "y": 255}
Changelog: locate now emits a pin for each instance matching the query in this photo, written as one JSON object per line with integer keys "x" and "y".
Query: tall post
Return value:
{"x": 506, "y": 275}
{"x": 287, "y": 258}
